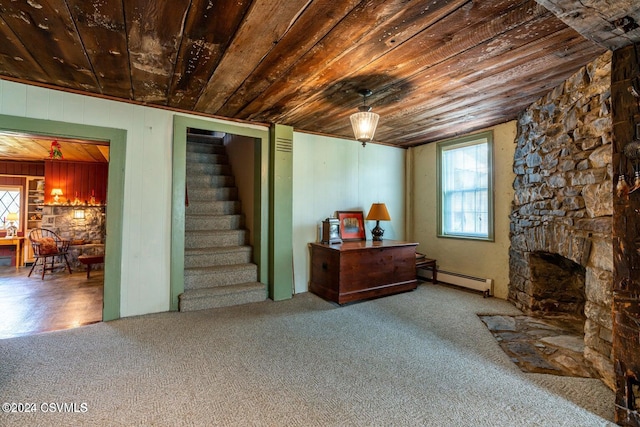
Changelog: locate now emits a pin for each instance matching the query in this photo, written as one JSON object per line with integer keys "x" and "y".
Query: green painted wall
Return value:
{"x": 281, "y": 213}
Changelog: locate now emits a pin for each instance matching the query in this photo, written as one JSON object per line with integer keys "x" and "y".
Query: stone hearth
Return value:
{"x": 553, "y": 345}
{"x": 561, "y": 255}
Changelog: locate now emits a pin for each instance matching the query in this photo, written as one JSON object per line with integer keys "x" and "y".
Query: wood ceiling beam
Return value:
{"x": 611, "y": 24}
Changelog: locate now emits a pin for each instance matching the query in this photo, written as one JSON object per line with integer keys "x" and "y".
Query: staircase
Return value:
{"x": 218, "y": 271}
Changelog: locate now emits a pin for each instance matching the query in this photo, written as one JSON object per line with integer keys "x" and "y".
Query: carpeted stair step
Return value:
{"x": 208, "y": 257}
{"x": 206, "y": 158}
{"x": 205, "y": 148}
{"x": 208, "y": 239}
{"x": 206, "y": 139}
{"x": 218, "y": 270}
{"x": 223, "y": 296}
{"x": 196, "y": 169}
{"x": 203, "y": 180}
{"x": 206, "y": 222}
{"x": 213, "y": 207}
{"x": 194, "y": 147}
{"x": 223, "y": 275}
{"x": 207, "y": 194}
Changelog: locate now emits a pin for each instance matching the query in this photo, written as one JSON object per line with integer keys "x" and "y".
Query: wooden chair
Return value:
{"x": 47, "y": 246}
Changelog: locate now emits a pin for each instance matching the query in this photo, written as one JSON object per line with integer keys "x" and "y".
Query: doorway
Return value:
{"x": 113, "y": 218}
{"x": 33, "y": 299}
{"x": 260, "y": 188}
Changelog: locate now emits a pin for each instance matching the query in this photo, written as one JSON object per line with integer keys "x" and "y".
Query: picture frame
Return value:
{"x": 351, "y": 225}
{"x": 48, "y": 220}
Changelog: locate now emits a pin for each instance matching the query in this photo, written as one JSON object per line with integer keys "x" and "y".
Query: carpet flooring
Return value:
{"x": 421, "y": 358}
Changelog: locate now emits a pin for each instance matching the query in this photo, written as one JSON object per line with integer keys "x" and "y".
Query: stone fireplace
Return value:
{"x": 561, "y": 255}
{"x": 557, "y": 285}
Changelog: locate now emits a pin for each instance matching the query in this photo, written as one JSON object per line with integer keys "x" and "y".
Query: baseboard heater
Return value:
{"x": 476, "y": 283}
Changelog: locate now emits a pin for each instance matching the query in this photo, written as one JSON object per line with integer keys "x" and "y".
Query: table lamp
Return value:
{"x": 378, "y": 212}
{"x": 56, "y": 193}
{"x": 11, "y": 228}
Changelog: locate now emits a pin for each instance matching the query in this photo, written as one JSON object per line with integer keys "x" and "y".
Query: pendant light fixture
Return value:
{"x": 364, "y": 122}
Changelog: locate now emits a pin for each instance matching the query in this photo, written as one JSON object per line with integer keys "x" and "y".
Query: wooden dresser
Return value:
{"x": 353, "y": 271}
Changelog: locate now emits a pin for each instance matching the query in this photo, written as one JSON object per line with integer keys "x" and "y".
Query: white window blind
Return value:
{"x": 465, "y": 177}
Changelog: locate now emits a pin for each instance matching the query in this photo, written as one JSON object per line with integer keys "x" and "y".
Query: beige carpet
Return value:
{"x": 420, "y": 358}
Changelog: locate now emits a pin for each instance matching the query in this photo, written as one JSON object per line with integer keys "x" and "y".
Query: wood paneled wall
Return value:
{"x": 8, "y": 167}
{"x": 73, "y": 178}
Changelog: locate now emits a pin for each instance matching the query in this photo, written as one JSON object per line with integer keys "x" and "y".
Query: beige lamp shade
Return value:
{"x": 378, "y": 212}
{"x": 56, "y": 193}
{"x": 12, "y": 216}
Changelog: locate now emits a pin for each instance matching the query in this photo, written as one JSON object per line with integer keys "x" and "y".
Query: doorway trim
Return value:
{"x": 261, "y": 196}
{"x": 115, "y": 191}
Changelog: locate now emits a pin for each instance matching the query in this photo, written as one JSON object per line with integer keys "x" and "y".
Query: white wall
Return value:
{"x": 471, "y": 257}
{"x": 331, "y": 174}
{"x": 147, "y": 193}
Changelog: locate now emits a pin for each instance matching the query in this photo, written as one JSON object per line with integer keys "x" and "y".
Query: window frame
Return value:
{"x": 20, "y": 190}
{"x": 467, "y": 141}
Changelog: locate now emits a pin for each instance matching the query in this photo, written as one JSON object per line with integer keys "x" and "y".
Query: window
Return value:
{"x": 9, "y": 202}
{"x": 465, "y": 186}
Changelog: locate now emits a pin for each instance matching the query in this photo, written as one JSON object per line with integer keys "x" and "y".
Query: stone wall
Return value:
{"x": 87, "y": 235}
{"x": 563, "y": 199}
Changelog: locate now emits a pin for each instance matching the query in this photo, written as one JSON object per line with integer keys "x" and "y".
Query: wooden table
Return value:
{"x": 90, "y": 259}
{"x": 353, "y": 271}
{"x": 428, "y": 264}
{"x": 17, "y": 242}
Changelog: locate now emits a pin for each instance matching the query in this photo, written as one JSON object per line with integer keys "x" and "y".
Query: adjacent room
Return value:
{"x": 53, "y": 189}
{"x": 320, "y": 213}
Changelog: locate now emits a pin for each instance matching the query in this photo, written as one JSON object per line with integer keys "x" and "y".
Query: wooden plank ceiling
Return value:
{"x": 437, "y": 68}
{"x": 22, "y": 147}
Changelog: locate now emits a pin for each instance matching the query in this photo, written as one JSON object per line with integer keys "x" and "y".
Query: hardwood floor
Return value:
{"x": 30, "y": 305}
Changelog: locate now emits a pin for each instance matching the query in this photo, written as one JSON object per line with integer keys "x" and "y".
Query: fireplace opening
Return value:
{"x": 557, "y": 286}
{"x": 550, "y": 337}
